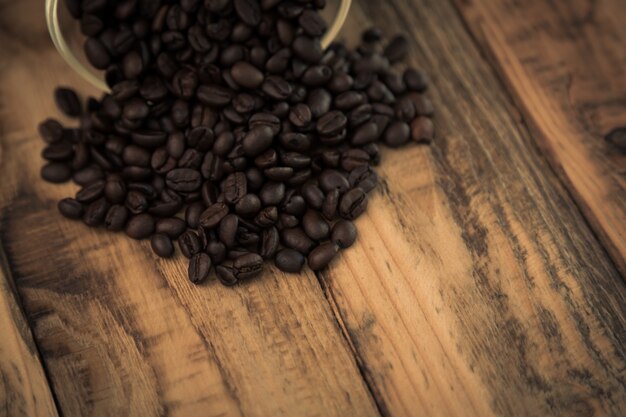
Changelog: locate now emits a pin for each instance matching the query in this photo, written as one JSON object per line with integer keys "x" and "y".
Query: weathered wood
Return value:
{"x": 24, "y": 389}
{"x": 565, "y": 64}
{"x": 122, "y": 333}
{"x": 476, "y": 287}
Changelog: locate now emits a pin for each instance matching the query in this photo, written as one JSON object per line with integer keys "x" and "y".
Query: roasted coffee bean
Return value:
{"x": 213, "y": 215}
{"x": 415, "y": 80}
{"x": 227, "y": 230}
{"x": 96, "y": 212}
{"x": 91, "y": 192}
{"x": 199, "y": 268}
{"x": 235, "y": 187}
{"x": 136, "y": 202}
{"x": 422, "y": 129}
{"x": 331, "y": 123}
{"x": 67, "y": 101}
{"x": 353, "y": 158}
{"x": 293, "y": 141}
{"x": 171, "y": 226}
{"x": 248, "y": 266}
{"x": 162, "y": 245}
{"x": 116, "y": 218}
{"x": 363, "y": 177}
{"x": 270, "y": 240}
{"x": 289, "y": 260}
{"x": 372, "y": 35}
{"x": 267, "y": 217}
{"x": 59, "y": 151}
{"x": 50, "y": 130}
{"x": 183, "y": 179}
{"x": 307, "y": 49}
{"x": 321, "y": 256}
{"x": 214, "y": 95}
{"x": 331, "y": 179}
{"x": 353, "y": 204}
{"x": 330, "y": 204}
{"x": 248, "y": 205}
{"x": 397, "y": 134}
{"x": 149, "y": 138}
{"x": 276, "y": 88}
{"x": 296, "y": 238}
{"x": 312, "y": 23}
{"x": 70, "y": 208}
{"x": 313, "y": 195}
{"x": 140, "y": 226}
{"x": 246, "y": 75}
{"x": 225, "y": 273}
{"x": 192, "y": 214}
{"x": 272, "y": 193}
{"x": 56, "y": 172}
{"x": 249, "y": 11}
{"x": 314, "y": 225}
{"x": 189, "y": 243}
{"x": 257, "y": 140}
{"x": 343, "y": 234}
{"x": 88, "y": 175}
{"x": 97, "y": 53}
{"x": 319, "y": 102}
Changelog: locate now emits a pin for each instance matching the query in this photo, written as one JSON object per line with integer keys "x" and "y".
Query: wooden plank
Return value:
{"x": 24, "y": 389}
{"x": 476, "y": 287}
{"x": 565, "y": 64}
{"x": 123, "y": 333}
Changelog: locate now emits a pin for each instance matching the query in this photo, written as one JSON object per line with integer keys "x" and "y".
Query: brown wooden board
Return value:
{"x": 476, "y": 286}
{"x": 565, "y": 64}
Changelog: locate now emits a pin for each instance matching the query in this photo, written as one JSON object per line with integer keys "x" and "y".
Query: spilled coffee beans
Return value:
{"x": 229, "y": 130}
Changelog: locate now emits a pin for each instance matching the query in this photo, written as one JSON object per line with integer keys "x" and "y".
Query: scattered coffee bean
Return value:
{"x": 230, "y": 113}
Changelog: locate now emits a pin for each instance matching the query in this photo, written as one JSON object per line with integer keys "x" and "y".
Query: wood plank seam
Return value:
{"x": 5, "y": 271}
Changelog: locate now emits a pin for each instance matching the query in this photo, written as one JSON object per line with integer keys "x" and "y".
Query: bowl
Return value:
{"x": 68, "y": 39}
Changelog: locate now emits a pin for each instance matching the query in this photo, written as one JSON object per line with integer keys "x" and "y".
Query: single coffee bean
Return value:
{"x": 317, "y": 76}
{"x": 330, "y": 204}
{"x": 313, "y": 195}
{"x": 321, "y": 256}
{"x": 70, "y": 208}
{"x": 366, "y": 133}
{"x": 249, "y": 11}
{"x": 140, "y": 226}
{"x": 192, "y": 214}
{"x": 319, "y": 102}
{"x": 189, "y": 243}
{"x": 91, "y": 192}
{"x": 372, "y": 35}
{"x": 225, "y": 273}
{"x": 170, "y": 226}
{"x": 235, "y": 187}
{"x": 116, "y": 217}
{"x": 331, "y": 179}
{"x": 199, "y": 268}
{"x": 396, "y": 49}
{"x": 183, "y": 179}
{"x": 214, "y": 95}
{"x": 67, "y": 101}
{"x": 422, "y": 129}
{"x": 312, "y": 23}
{"x": 296, "y": 238}
{"x": 363, "y": 177}
{"x": 276, "y": 88}
{"x": 343, "y": 234}
{"x": 272, "y": 193}
{"x": 257, "y": 140}
{"x": 270, "y": 241}
{"x": 289, "y": 260}
{"x": 314, "y": 225}
{"x": 162, "y": 245}
{"x": 246, "y": 75}
{"x": 248, "y": 205}
{"x": 415, "y": 80}
{"x": 136, "y": 202}
{"x": 56, "y": 172}
{"x": 331, "y": 123}
{"x": 115, "y": 191}
{"x": 227, "y": 230}
{"x": 97, "y": 53}
{"x": 397, "y": 134}
{"x": 267, "y": 217}
{"x": 96, "y": 212}
{"x": 248, "y": 266}
{"x": 353, "y": 204}
{"x": 213, "y": 215}
{"x": 307, "y": 49}
{"x": 59, "y": 151}
{"x": 50, "y": 130}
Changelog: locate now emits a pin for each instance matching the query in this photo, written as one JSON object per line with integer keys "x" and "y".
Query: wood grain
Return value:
{"x": 476, "y": 287}
{"x": 24, "y": 389}
{"x": 565, "y": 64}
{"x": 123, "y": 333}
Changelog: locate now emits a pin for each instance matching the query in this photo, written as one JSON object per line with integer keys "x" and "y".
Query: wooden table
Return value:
{"x": 488, "y": 279}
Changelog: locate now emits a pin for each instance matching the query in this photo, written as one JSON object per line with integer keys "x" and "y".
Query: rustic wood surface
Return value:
{"x": 565, "y": 65}
{"x": 476, "y": 287}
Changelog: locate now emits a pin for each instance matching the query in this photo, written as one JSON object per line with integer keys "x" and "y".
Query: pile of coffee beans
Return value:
{"x": 229, "y": 130}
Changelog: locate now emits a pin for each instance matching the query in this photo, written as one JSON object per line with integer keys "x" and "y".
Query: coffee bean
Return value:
{"x": 314, "y": 225}
{"x": 321, "y": 256}
{"x": 59, "y": 151}
{"x": 372, "y": 35}
{"x": 116, "y": 218}
{"x": 289, "y": 260}
{"x": 331, "y": 123}
{"x": 96, "y": 212}
{"x": 319, "y": 102}
{"x": 213, "y": 215}
{"x": 343, "y": 234}
{"x": 183, "y": 179}
{"x": 171, "y": 226}
{"x": 235, "y": 187}
{"x": 214, "y": 95}
{"x": 97, "y": 53}
{"x": 422, "y": 129}
{"x": 140, "y": 226}
{"x": 257, "y": 140}
{"x": 312, "y": 23}
{"x": 199, "y": 268}
{"x": 136, "y": 202}
{"x": 67, "y": 101}
{"x": 162, "y": 245}
{"x": 248, "y": 266}
{"x": 246, "y": 75}
{"x": 276, "y": 88}
{"x": 70, "y": 208}
{"x": 331, "y": 179}
{"x": 248, "y": 11}
{"x": 313, "y": 195}
{"x": 330, "y": 204}
{"x": 353, "y": 204}
{"x": 226, "y": 274}
{"x": 397, "y": 134}
{"x": 50, "y": 130}
{"x": 415, "y": 80}
{"x": 363, "y": 177}
{"x": 272, "y": 193}
{"x": 248, "y": 205}
{"x": 189, "y": 243}
{"x": 88, "y": 175}
{"x": 56, "y": 172}
{"x": 227, "y": 230}
{"x": 307, "y": 49}
{"x": 296, "y": 238}
{"x": 270, "y": 240}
